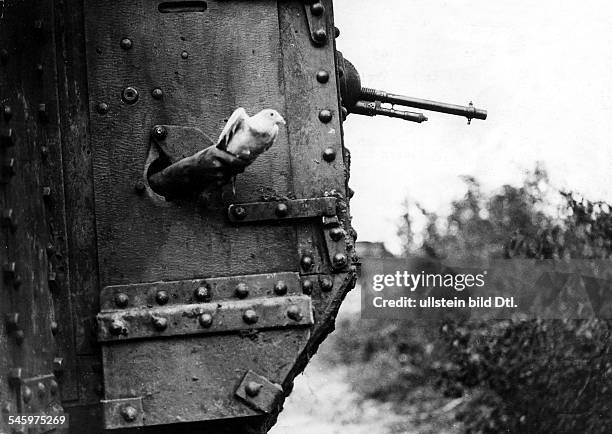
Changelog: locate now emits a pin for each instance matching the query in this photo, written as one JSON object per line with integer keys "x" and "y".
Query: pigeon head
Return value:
{"x": 272, "y": 116}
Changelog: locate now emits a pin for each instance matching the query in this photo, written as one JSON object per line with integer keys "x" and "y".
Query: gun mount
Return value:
{"x": 366, "y": 101}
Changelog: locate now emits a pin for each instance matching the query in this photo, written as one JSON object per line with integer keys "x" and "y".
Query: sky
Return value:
{"x": 542, "y": 69}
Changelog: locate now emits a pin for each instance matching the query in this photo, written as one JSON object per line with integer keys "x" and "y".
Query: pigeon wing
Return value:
{"x": 233, "y": 124}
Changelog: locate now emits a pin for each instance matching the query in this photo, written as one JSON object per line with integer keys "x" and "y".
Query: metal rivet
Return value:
{"x": 320, "y": 35}
{"x": 9, "y": 220}
{"x": 6, "y": 407}
{"x": 336, "y": 32}
{"x": 250, "y": 316}
{"x": 317, "y": 9}
{"x": 325, "y": 116}
{"x": 280, "y": 288}
{"x": 329, "y": 154}
{"x": 206, "y": 320}
{"x": 52, "y": 280}
{"x": 54, "y": 328}
{"x": 162, "y": 297}
{"x": 9, "y": 271}
{"x": 117, "y": 328}
{"x": 184, "y": 55}
{"x": 327, "y": 284}
{"x": 307, "y": 287}
{"x": 241, "y": 290}
{"x": 159, "y": 132}
{"x": 4, "y": 54}
{"x": 15, "y": 375}
{"x": 9, "y": 168}
{"x": 26, "y": 394}
{"x": 294, "y": 313}
{"x": 53, "y": 387}
{"x": 19, "y": 337}
{"x": 126, "y": 43}
{"x": 322, "y": 76}
{"x": 102, "y": 108}
{"x": 159, "y": 323}
{"x": 157, "y": 93}
{"x": 344, "y": 113}
{"x": 202, "y": 293}
{"x": 12, "y": 321}
{"x": 339, "y": 260}
{"x": 281, "y": 210}
{"x": 121, "y": 299}
{"x": 42, "y": 112}
{"x": 252, "y": 388}
{"x": 38, "y": 25}
{"x": 140, "y": 187}
{"x": 8, "y": 113}
{"x": 129, "y": 413}
{"x": 129, "y": 95}
{"x": 336, "y": 234}
{"x": 306, "y": 262}
{"x": 239, "y": 212}
{"x": 38, "y": 68}
{"x": 6, "y": 138}
{"x": 46, "y": 192}
{"x": 42, "y": 389}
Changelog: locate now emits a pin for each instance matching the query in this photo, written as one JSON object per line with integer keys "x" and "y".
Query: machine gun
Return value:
{"x": 369, "y": 102}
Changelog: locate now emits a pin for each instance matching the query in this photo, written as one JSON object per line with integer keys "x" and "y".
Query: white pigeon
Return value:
{"x": 247, "y": 137}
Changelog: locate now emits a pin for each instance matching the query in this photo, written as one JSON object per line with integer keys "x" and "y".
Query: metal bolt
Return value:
{"x": 4, "y": 55}
{"x": 14, "y": 376}
{"x": 129, "y": 95}
{"x": 203, "y": 293}
{"x": 8, "y": 113}
{"x": 159, "y": 323}
{"x": 129, "y": 413}
{"x": 42, "y": 389}
{"x": 317, "y": 9}
{"x": 329, "y": 154}
{"x": 339, "y": 260}
{"x": 26, "y": 394}
{"x": 8, "y": 168}
{"x": 281, "y": 210}
{"x": 121, "y": 299}
{"x": 53, "y": 387}
{"x": 322, "y": 76}
{"x": 126, "y": 43}
{"x": 38, "y": 68}
{"x": 325, "y": 116}
{"x": 162, "y": 297}
{"x": 19, "y": 337}
{"x": 239, "y": 212}
{"x": 52, "y": 280}
{"x": 157, "y": 93}
{"x": 6, "y": 138}
{"x": 252, "y": 388}
{"x": 327, "y": 284}
{"x": 294, "y": 313}
{"x": 241, "y": 290}
{"x": 306, "y": 262}
{"x": 159, "y": 132}
{"x": 336, "y": 32}
{"x": 250, "y": 316}
{"x": 184, "y": 55}
{"x": 9, "y": 271}
{"x": 280, "y": 288}
{"x": 117, "y": 328}
{"x": 206, "y": 320}
{"x": 54, "y": 328}
{"x": 102, "y": 108}
{"x": 38, "y": 26}
{"x": 139, "y": 187}
{"x": 307, "y": 286}
{"x": 46, "y": 192}
{"x": 320, "y": 35}
{"x": 336, "y": 234}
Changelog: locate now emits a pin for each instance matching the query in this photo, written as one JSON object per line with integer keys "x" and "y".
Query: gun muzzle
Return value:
{"x": 470, "y": 112}
{"x": 373, "y": 108}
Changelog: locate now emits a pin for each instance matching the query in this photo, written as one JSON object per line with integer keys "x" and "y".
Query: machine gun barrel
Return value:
{"x": 469, "y": 112}
{"x": 373, "y": 108}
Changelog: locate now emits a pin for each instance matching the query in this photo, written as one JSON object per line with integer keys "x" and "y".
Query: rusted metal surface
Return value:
{"x": 205, "y": 318}
{"x": 259, "y": 392}
{"x": 283, "y": 210}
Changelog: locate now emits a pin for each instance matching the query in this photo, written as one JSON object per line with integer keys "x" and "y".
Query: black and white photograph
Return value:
{"x": 305, "y": 217}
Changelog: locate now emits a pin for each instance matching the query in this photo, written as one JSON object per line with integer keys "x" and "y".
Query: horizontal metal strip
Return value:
{"x": 195, "y": 291}
{"x": 282, "y": 210}
{"x": 205, "y": 318}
